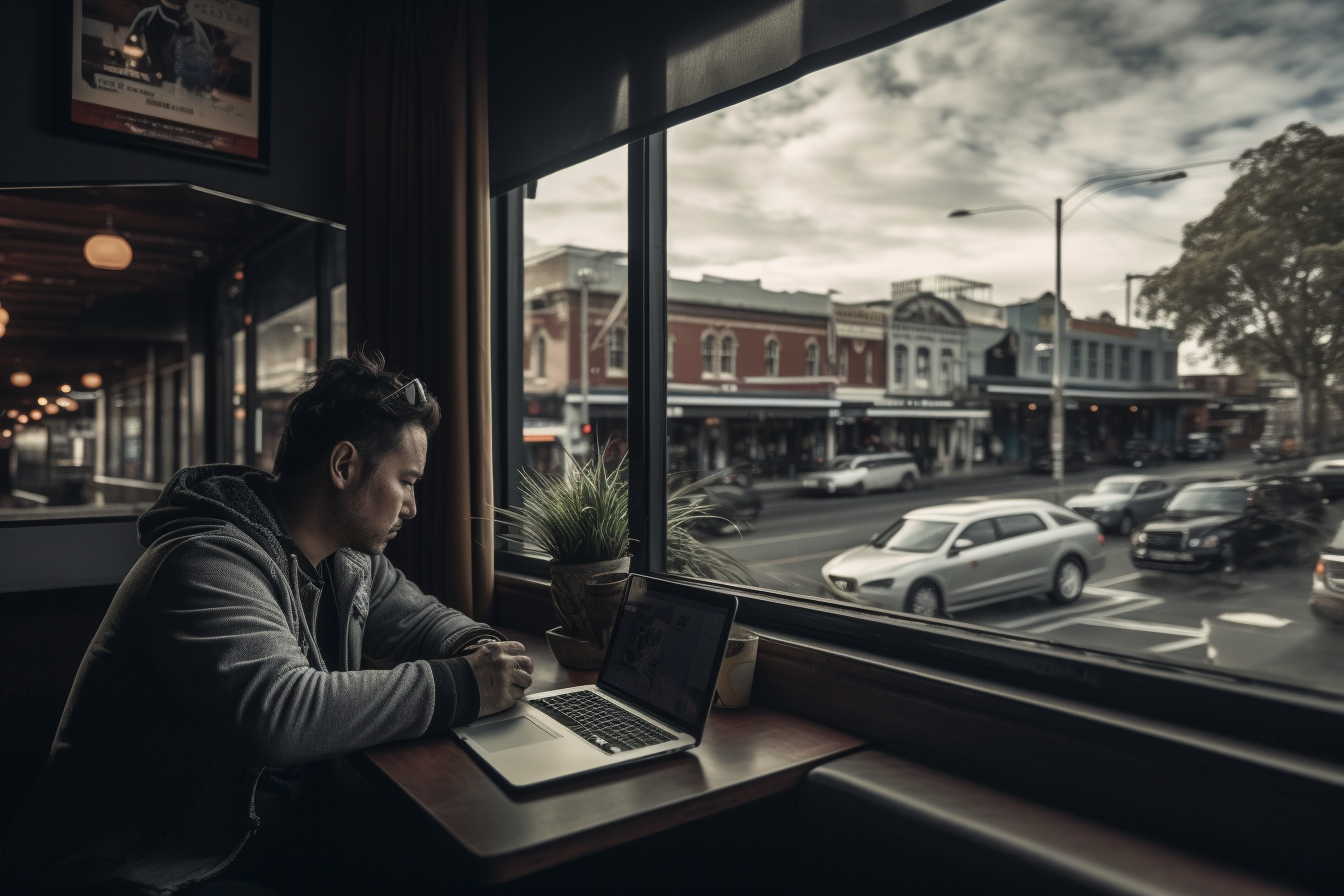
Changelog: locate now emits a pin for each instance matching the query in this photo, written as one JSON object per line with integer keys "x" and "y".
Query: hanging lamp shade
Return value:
{"x": 108, "y": 251}
{"x": 20, "y": 379}
{"x": 91, "y": 381}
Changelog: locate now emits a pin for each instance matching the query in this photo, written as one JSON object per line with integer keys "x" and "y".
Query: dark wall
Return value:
{"x": 309, "y": 65}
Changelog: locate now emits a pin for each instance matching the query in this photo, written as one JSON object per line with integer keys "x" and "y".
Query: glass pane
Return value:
{"x": 286, "y": 352}
{"x": 340, "y": 331}
{"x": 857, "y": 269}
{"x": 574, "y": 376}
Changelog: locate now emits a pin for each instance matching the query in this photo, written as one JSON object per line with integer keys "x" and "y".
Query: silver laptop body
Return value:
{"x": 661, "y": 665}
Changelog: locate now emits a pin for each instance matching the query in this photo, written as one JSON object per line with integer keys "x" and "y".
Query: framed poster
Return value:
{"x": 186, "y": 75}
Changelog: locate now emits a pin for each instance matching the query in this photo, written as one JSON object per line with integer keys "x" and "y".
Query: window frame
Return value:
{"x": 1222, "y": 701}
{"x": 772, "y": 358}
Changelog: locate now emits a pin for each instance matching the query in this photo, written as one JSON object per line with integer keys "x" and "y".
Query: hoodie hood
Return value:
{"x": 216, "y": 493}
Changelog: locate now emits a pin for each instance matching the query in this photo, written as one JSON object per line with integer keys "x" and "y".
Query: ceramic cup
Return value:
{"x": 733, "y": 690}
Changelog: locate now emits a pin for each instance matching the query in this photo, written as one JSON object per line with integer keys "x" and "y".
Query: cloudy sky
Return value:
{"x": 843, "y": 180}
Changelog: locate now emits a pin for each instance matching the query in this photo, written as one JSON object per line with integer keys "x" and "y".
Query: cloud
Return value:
{"x": 843, "y": 180}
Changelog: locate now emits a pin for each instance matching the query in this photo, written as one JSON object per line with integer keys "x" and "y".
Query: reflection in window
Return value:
{"x": 772, "y": 357}
{"x": 286, "y": 351}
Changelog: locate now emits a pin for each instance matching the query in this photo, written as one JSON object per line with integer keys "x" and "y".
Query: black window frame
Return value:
{"x": 1275, "y": 714}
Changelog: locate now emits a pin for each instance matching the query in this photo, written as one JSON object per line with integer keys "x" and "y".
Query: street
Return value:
{"x": 1264, "y": 626}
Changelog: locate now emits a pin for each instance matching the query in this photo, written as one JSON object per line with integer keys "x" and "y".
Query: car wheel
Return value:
{"x": 907, "y": 482}
{"x": 924, "y": 599}
{"x": 1126, "y": 524}
{"x": 1229, "y": 573}
{"x": 1069, "y": 578}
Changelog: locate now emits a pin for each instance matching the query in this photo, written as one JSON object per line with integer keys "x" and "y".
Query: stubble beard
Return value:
{"x": 359, "y": 531}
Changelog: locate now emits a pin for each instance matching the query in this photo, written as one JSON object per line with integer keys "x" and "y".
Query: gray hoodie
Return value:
{"x": 205, "y": 671}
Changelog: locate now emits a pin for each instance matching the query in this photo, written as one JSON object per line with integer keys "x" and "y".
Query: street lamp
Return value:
{"x": 1124, "y": 179}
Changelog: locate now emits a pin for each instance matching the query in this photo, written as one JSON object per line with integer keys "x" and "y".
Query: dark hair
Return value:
{"x": 342, "y": 402}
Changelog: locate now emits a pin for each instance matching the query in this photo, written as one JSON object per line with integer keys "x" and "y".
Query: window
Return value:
{"x": 945, "y": 364}
{"x": 842, "y": 360}
{"x": 1168, "y": 366}
{"x": 671, "y": 344}
{"x": 1019, "y": 524}
{"x": 616, "y": 348}
{"x": 732, "y": 174}
{"x": 728, "y": 356}
{"x": 539, "y": 354}
{"x": 980, "y": 533}
{"x": 867, "y": 367}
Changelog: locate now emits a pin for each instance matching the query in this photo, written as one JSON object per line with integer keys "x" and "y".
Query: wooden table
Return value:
{"x": 746, "y": 754}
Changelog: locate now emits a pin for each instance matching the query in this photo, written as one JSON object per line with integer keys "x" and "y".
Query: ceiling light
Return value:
{"x": 91, "y": 381}
{"x": 65, "y": 387}
{"x": 11, "y": 414}
{"x": 108, "y": 251}
{"x": 7, "y": 433}
{"x": 35, "y": 415}
{"x": 23, "y": 418}
{"x": 50, "y": 409}
{"x": 20, "y": 379}
{"x": 66, "y": 403}
{"x": 42, "y": 401}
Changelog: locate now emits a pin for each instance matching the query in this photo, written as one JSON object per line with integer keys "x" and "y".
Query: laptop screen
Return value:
{"x": 665, "y": 652}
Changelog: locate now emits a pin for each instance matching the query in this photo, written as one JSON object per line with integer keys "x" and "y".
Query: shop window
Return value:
{"x": 772, "y": 357}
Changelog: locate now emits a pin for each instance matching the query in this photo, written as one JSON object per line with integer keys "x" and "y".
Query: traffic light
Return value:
{"x": 587, "y": 429}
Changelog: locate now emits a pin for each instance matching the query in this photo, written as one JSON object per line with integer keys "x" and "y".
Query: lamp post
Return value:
{"x": 586, "y": 277}
{"x": 1060, "y": 217}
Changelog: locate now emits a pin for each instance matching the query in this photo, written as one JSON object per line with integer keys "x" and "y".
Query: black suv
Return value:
{"x": 1231, "y": 524}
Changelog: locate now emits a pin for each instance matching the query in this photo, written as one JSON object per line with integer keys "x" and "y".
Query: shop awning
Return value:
{"x": 934, "y": 413}
{"x": 1180, "y": 395}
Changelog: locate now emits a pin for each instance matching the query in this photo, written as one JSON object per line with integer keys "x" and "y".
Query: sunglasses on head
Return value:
{"x": 414, "y": 392}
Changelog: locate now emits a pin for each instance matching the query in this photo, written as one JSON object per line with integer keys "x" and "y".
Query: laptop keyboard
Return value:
{"x": 601, "y": 722}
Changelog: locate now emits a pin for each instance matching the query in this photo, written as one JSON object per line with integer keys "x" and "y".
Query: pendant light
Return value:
{"x": 109, "y": 250}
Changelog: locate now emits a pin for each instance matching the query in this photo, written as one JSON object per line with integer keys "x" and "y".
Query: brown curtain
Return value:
{"x": 417, "y": 199}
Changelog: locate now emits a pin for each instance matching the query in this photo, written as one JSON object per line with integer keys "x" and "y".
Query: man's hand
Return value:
{"x": 503, "y": 673}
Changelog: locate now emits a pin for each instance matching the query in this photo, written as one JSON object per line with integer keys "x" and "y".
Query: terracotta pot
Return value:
{"x": 585, "y": 621}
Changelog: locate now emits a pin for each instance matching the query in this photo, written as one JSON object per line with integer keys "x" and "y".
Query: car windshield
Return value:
{"x": 1215, "y": 500}
{"x": 1111, "y": 487}
{"x": 915, "y": 536}
{"x": 838, "y": 463}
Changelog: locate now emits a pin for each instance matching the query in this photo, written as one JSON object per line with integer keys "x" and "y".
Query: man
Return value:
{"x": 227, "y": 670}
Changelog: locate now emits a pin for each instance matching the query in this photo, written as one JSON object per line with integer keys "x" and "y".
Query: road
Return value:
{"x": 1264, "y": 627}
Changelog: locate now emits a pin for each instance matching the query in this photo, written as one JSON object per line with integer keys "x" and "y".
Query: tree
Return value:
{"x": 1260, "y": 281}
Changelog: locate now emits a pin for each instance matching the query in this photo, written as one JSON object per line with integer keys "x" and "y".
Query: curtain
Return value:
{"x": 417, "y": 209}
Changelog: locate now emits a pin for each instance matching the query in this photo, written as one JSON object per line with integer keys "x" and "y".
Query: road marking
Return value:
{"x": 1117, "y": 580}
{"x": 1120, "y": 602}
{"x": 1173, "y": 646}
{"x": 775, "y": 539}
{"x": 783, "y": 560}
{"x": 1157, "y": 628}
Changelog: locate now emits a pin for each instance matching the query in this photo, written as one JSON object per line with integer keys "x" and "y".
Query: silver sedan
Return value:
{"x": 958, "y": 556}
{"x": 1119, "y": 503}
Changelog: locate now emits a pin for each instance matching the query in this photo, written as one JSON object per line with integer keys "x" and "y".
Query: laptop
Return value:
{"x": 652, "y": 696}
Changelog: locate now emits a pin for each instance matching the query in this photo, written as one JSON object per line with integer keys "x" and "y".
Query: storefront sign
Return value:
{"x": 914, "y": 403}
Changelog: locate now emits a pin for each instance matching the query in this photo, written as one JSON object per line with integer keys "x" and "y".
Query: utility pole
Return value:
{"x": 1128, "y": 279}
{"x": 585, "y": 276}
{"x": 1057, "y": 375}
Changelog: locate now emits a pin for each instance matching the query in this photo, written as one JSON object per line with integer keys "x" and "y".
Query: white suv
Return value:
{"x": 856, "y": 474}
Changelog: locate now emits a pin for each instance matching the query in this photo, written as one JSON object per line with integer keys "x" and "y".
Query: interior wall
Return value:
{"x": 309, "y": 65}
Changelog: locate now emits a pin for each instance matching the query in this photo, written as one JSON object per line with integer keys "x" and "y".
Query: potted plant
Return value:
{"x": 579, "y": 518}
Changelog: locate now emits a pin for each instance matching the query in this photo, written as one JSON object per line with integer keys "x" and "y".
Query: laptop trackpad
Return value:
{"x": 496, "y": 736}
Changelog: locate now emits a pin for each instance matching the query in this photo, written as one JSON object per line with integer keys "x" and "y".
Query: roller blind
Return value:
{"x": 569, "y": 81}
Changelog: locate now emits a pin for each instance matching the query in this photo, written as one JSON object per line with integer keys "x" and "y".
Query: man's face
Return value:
{"x": 371, "y": 513}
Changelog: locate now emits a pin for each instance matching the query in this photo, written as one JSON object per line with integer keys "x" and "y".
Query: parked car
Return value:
{"x": 1201, "y": 446}
{"x": 1327, "y": 588}
{"x": 856, "y": 474}
{"x": 1231, "y": 524}
{"x": 1272, "y": 449}
{"x": 1330, "y": 474}
{"x": 1075, "y": 460}
{"x": 957, "y": 556}
{"x": 731, "y": 505}
{"x": 1119, "y": 503}
{"x": 1139, "y": 453}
